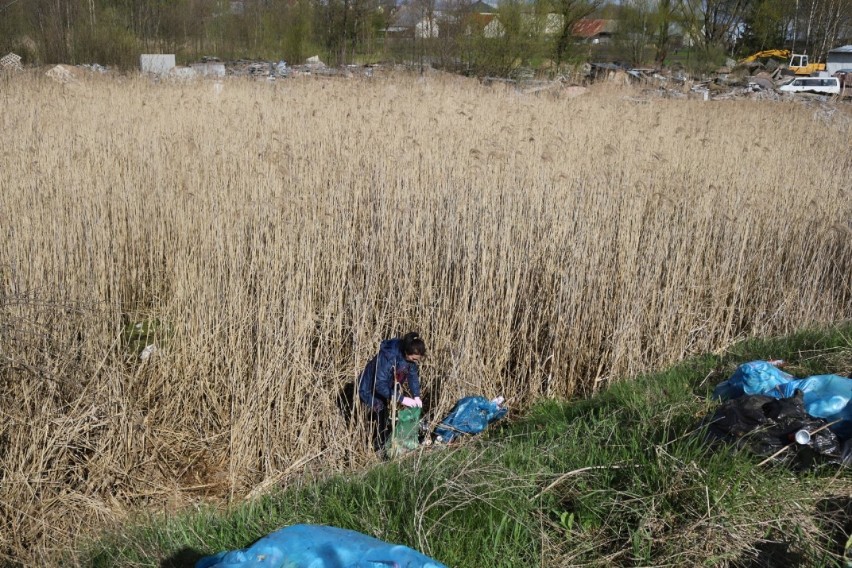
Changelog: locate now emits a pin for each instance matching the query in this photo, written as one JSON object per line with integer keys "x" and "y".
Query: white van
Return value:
{"x": 821, "y": 85}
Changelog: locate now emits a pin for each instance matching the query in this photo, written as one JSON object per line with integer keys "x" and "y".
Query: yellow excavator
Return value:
{"x": 800, "y": 66}
{"x": 777, "y": 53}
{"x": 798, "y": 63}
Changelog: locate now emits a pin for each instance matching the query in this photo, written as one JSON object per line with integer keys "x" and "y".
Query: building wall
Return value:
{"x": 837, "y": 61}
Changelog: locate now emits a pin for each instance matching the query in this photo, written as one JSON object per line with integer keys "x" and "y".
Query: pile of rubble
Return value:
{"x": 270, "y": 70}
{"x": 734, "y": 81}
{"x": 752, "y": 81}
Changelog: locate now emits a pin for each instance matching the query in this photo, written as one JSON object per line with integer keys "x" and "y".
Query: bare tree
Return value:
{"x": 570, "y": 11}
{"x": 717, "y": 23}
{"x": 665, "y": 13}
{"x": 54, "y": 20}
{"x": 636, "y": 28}
{"x": 820, "y": 24}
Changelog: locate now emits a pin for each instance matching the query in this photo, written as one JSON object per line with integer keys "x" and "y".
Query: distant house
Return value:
{"x": 594, "y": 30}
{"x": 480, "y": 7}
{"x": 413, "y": 21}
{"x": 548, "y": 25}
{"x": 553, "y": 24}
{"x": 493, "y": 27}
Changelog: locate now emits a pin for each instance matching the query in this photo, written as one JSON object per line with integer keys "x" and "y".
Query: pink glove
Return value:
{"x": 418, "y": 402}
{"x": 409, "y": 402}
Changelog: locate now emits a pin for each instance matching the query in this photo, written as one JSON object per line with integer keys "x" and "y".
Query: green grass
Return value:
{"x": 621, "y": 479}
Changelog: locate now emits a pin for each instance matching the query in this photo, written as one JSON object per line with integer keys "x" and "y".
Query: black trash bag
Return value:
{"x": 764, "y": 425}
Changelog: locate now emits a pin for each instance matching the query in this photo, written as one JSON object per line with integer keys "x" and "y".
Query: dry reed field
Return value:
{"x": 270, "y": 235}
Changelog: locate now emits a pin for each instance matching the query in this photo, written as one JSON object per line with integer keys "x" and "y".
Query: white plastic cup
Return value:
{"x": 802, "y": 437}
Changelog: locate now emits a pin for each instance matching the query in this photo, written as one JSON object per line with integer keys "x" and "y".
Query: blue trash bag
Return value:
{"x": 315, "y": 546}
{"x": 470, "y": 415}
{"x": 757, "y": 377}
{"x": 825, "y": 396}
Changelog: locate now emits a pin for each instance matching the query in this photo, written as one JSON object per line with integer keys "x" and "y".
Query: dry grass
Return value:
{"x": 542, "y": 246}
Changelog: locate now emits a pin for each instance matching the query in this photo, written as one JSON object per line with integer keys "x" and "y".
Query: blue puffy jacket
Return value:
{"x": 375, "y": 385}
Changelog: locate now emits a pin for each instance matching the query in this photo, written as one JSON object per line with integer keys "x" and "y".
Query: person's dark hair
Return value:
{"x": 413, "y": 344}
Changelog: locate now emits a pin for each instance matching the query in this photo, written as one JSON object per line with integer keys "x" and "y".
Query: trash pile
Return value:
{"x": 306, "y": 546}
{"x": 471, "y": 415}
{"x": 768, "y": 411}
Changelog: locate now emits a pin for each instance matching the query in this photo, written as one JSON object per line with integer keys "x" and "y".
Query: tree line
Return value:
{"x": 735, "y": 27}
{"x": 450, "y": 33}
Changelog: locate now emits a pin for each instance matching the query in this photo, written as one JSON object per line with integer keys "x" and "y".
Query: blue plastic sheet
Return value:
{"x": 316, "y": 546}
{"x": 470, "y": 415}
{"x": 825, "y": 396}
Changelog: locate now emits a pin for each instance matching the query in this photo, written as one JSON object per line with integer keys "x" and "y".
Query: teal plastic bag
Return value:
{"x": 404, "y": 437}
{"x": 313, "y": 546}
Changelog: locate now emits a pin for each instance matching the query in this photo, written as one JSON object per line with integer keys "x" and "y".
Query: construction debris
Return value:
{"x": 62, "y": 73}
{"x": 209, "y": 69}
{"x": 158, "y": 64}
{"x": 11, "y": 62}
{"x": 95, "y": 68}
{"x": 184, "y": 73}
{"x": 271, "y": 70}
{"x": 740, "y": 81}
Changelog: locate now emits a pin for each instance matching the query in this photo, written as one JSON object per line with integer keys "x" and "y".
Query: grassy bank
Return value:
{"x": 618, "y": 479}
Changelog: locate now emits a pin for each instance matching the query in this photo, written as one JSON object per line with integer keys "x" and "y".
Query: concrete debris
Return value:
{"x": 11, "y": 62}
{"x": 208, "y": 69}
{"x": 157, "y": 64}
{"x": 95, "y": 68}
{"x": 62, "y": 73}
{"x": 249, "y": 68}
{"x": 754, "y": 82}
{"x": 272, "y": 70}
{"x": 182, "y": 73}
{"x": 763, "y": 82}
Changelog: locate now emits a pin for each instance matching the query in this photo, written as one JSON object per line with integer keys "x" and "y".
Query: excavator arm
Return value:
{"x": 778, "y": 53}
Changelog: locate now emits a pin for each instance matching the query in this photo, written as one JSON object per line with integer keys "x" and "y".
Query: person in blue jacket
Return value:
{"x": 391, "y": 377}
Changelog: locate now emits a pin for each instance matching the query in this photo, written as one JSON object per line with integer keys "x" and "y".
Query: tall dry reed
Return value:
{"x": 542, "y": 246}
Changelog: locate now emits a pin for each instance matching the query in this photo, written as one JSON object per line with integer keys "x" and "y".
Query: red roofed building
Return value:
{"x": 593, "y": 30}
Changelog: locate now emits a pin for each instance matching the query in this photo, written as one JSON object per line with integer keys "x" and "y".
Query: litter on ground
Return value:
{"x": 309, "y": 546}
{"x": 471, "y": 415}
{"x": 768, "y": 411}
